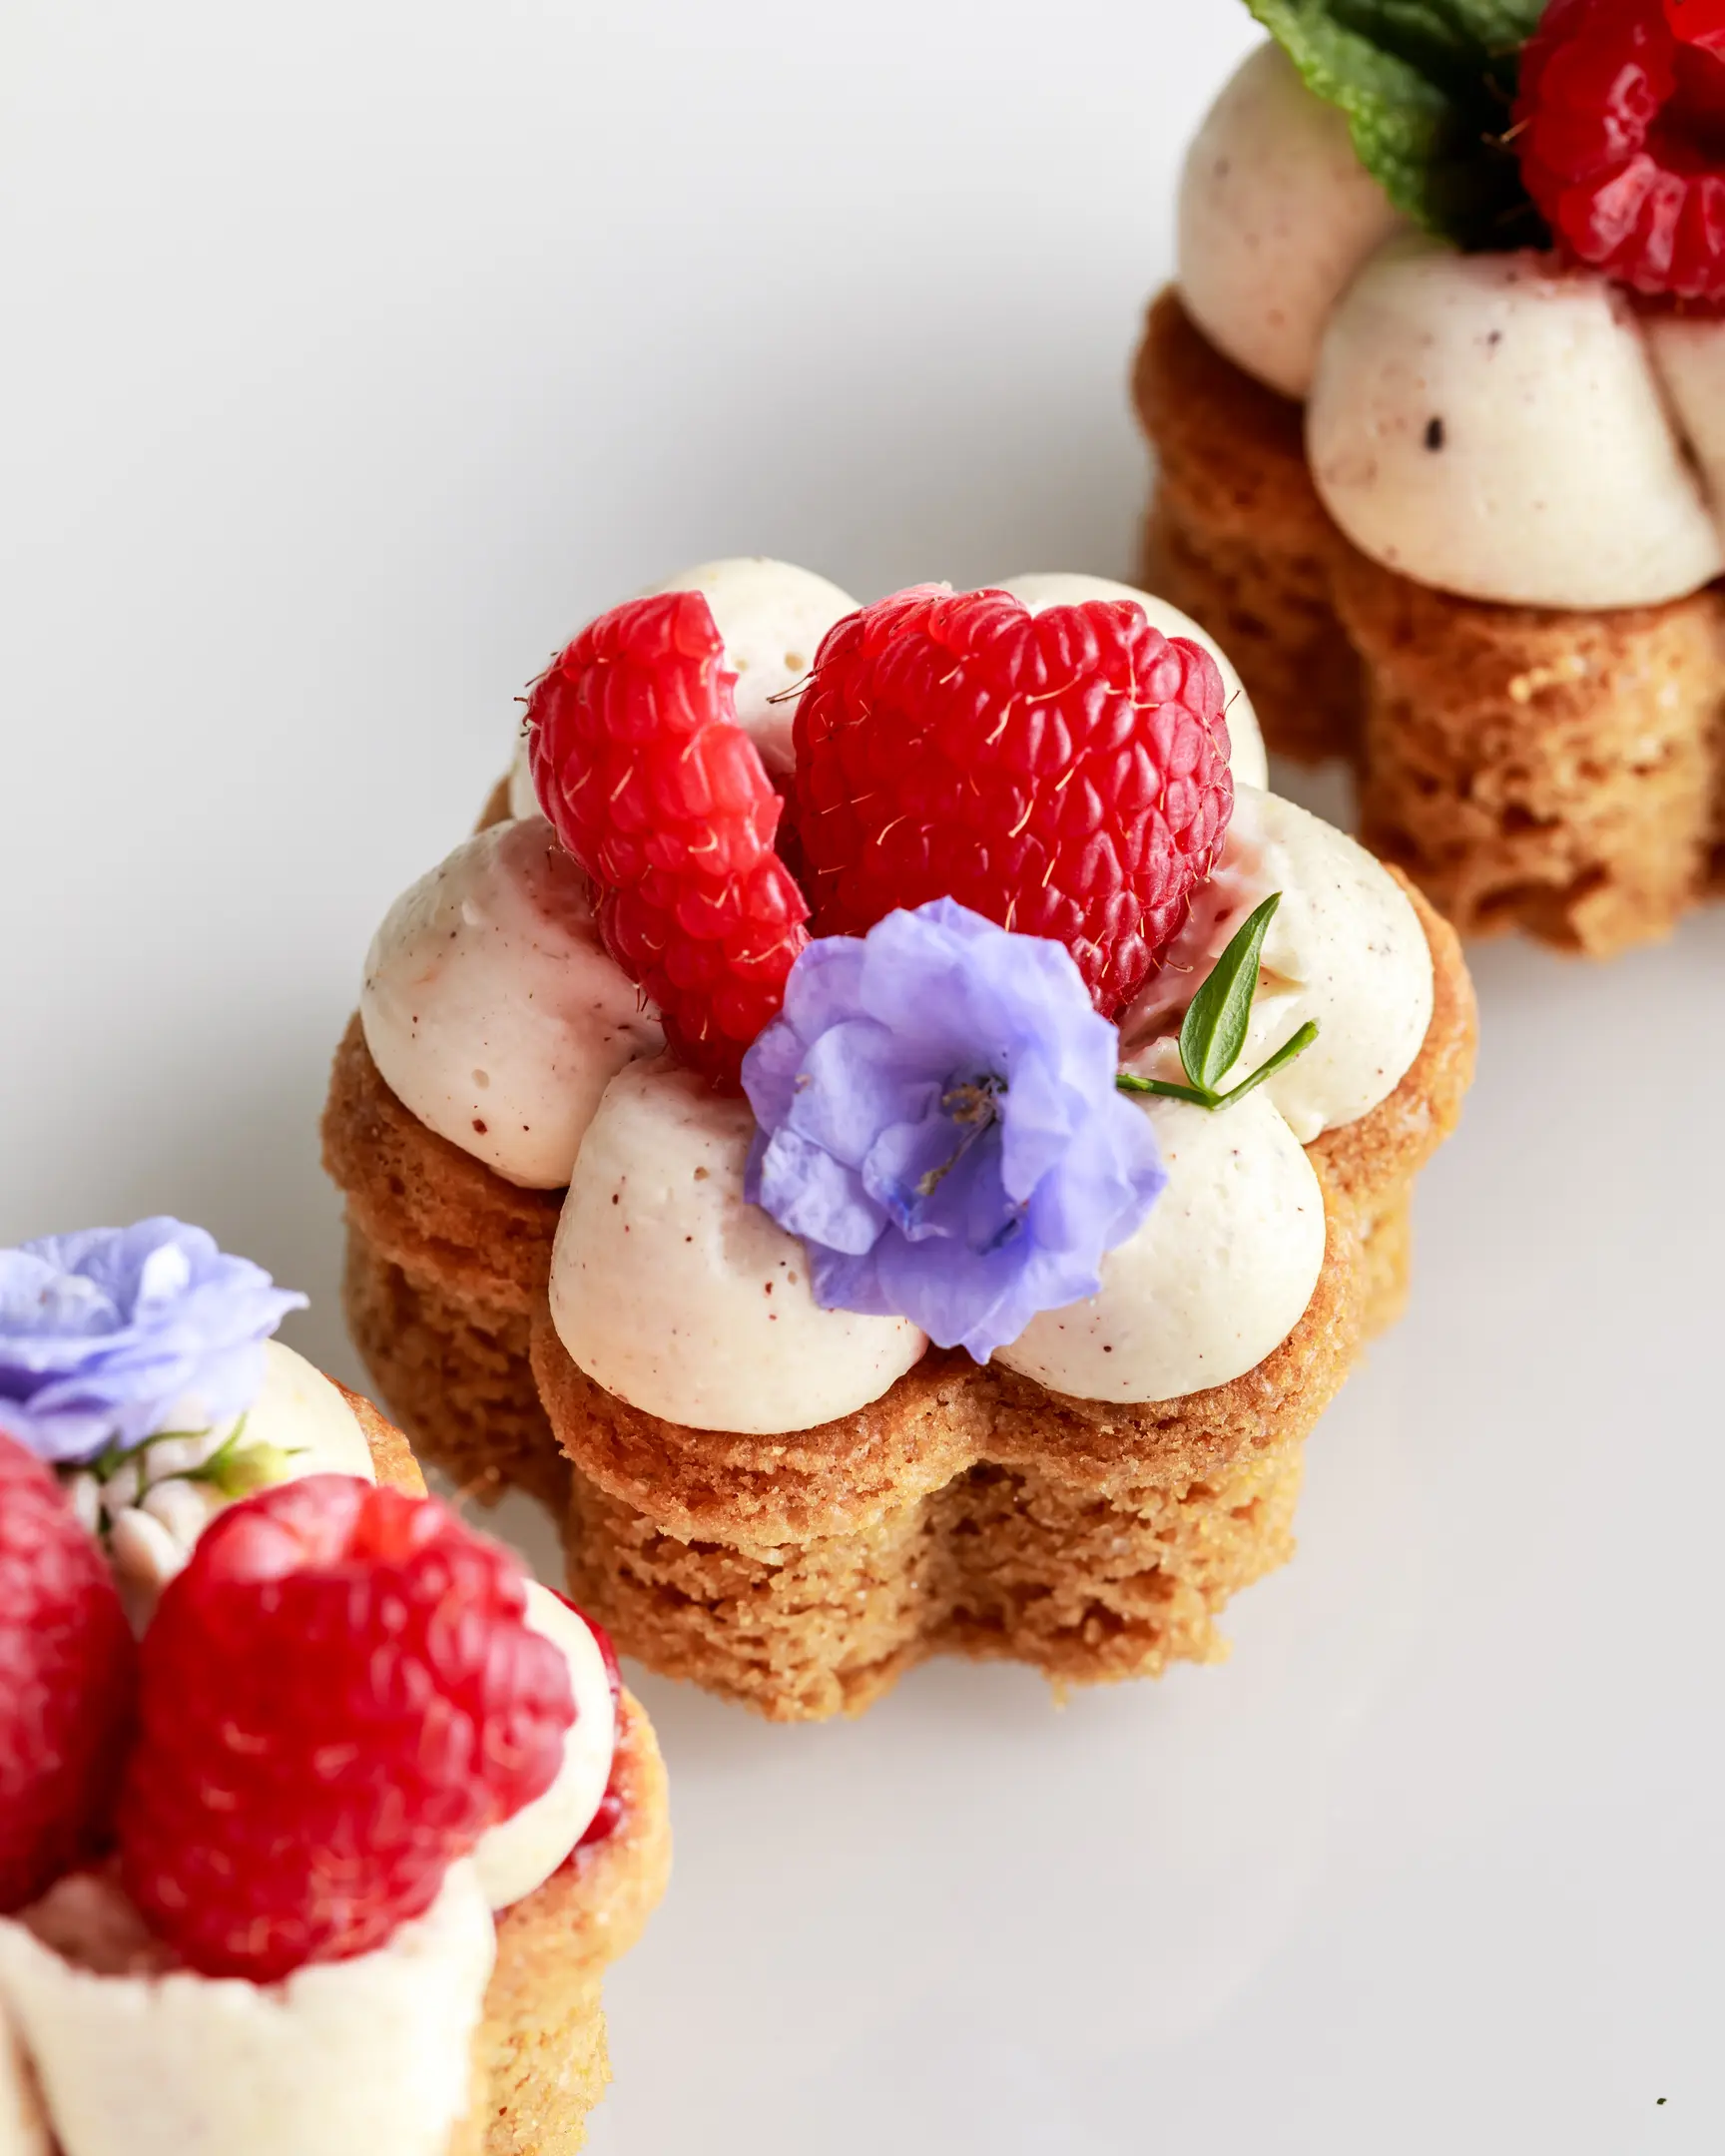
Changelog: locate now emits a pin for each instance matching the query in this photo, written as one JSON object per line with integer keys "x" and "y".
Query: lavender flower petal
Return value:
{"x": 938, "y": 1121}
{"x": 107, "y": 1333}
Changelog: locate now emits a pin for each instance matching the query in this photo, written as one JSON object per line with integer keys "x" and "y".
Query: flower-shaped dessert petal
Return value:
{"x": 939, "y": 1123}
{"x": 107, "y": 1333}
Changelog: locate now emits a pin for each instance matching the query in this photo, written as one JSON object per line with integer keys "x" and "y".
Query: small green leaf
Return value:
{"x": 1212, "y": 1031}
{"x": 1217, "y": 1020}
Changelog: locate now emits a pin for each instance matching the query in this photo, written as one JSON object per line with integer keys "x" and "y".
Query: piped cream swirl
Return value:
{"x": 493, "y": 1011}
{"x": 1218, "y": 1275}
{"x": 673, "y": 1292}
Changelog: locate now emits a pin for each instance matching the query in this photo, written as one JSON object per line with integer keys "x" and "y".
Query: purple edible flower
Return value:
{"x": 106, "y": 1335}
{"x": 938, "y": 1122}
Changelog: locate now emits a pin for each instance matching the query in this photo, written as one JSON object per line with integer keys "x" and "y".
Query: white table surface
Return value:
{"x": 359, "y": 349}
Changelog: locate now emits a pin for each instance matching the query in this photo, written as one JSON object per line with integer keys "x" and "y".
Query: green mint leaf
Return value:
{"x": 1212, "y": 1031}
{"x": 1427, "y": 87}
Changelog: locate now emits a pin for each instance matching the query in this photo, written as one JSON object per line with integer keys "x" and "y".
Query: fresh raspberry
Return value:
{"x": 662, "y": 797}
{"x": 68, "y": 1675}
{"x": 1621, "y": 130}
{"x": 1065, "y": 773}
{"x": 340, "y": 1695}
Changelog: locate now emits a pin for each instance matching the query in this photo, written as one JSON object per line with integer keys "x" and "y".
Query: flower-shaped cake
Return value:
{"x": 893, "y": 1129}
{"x": 289, "y": 1861}
{"x": 1439, "y": 401}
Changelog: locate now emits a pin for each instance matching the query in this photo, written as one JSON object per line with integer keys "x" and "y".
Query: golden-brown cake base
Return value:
{"x": 1558, "y": 771}
{"x": 539, "y": 2058}
{"x": 1000, "y": 1562}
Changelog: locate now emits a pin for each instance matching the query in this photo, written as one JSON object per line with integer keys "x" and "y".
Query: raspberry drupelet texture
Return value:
{"x": 1064, "y": 773}
{"x": 67, "y": 1680}
{"x": 662, "y": 797}
{"x": 339, "y": 1696}
{"x": 1621, "y": 130}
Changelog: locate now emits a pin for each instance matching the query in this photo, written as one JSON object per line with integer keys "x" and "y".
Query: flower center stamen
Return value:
{"x": 969, "y": 1104}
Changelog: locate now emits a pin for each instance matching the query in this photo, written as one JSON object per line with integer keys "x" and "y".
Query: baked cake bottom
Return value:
{"x": 995, "y": 1519}
{"x": 1558, "y": 771}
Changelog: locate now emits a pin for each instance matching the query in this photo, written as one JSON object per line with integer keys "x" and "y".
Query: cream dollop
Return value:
{"x": 1275, "y": 214}
{"x": 493, "y": 1011}
{"x": 674, "y": 1292}
{"x": 1491, "y": 426}
{"x": 1345, "y": 950}
{"x": 1218, "y": 1275}
{"x": 1246, "y": 757}
{"x": 366, "y": 2058}
{"x": 524, "y": 1850}
{"x": 772, "y": 617}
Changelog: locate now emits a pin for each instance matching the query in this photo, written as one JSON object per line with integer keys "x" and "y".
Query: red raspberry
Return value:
{"x": 68, "y": 1673}
{"x": 1621, "y": 130}
{"x": 1064, "y": 773}
{"x": 662, "y": 797}
{"x": 338, "y": 1697}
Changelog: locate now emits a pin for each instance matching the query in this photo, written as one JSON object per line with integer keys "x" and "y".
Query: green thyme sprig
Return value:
{"x": 1213, "y": 1032}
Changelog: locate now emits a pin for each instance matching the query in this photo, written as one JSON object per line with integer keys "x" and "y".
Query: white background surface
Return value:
{"x": 357, "y": 352}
